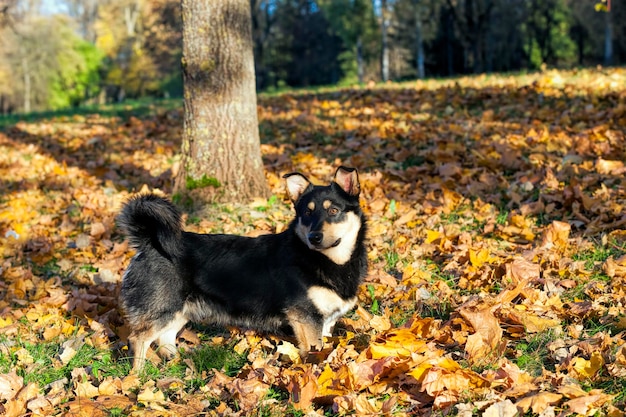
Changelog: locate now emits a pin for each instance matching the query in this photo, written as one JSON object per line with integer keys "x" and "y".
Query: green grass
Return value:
{"x": 437, "y": 309}
{"x": 595, "y": 256}
{"x": 593, "y": 326}
{"x": 580, "y": 291}
{"x": 374, "y": 307}
{"x": 46, "y": 367}
{"x": 208, "y": 357}
{"x": 532, "y": 355}
{"x": 391, "y": 261}
{"x": 203, "y": 182}
{"x": 129, "y": 108}
{"x": 280, "y": 396}
{"x": 502, "y": 217}
{"x": 273, "y": 201}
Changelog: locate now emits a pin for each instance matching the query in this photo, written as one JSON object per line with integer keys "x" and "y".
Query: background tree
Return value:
{"x": 221, "y": 156}
{"x": 128, "y": 49}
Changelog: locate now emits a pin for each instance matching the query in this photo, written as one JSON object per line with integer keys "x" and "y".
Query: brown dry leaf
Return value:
{"x": 615, "y": 267}
{"x": 607, "y": 167}
{"x": 588, "y": 405}
{"x": 86, "y": 389}
{"x": 10, "y": 385}
{"x": 487, "y": 331}
{"x": 556, "y": 235}
{"x": 302, "y": 388}
{"x": 521, "y": 271}
{"x": 539, "y": 402}
{"x": 447, "y": 375}
{"x": 501, "y": 409}
{"x": 110, "y": 386}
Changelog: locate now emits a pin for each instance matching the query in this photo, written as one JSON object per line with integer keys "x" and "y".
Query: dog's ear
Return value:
{"x": 297, "y": 184}
{"x": 348, "y": 180}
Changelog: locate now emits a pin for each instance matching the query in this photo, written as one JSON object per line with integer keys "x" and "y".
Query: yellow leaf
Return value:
{"x": 480, "y": 257}
{"x": 534, "y": 324}
{"x": 588, "y": 368}
{"x": 86, "y": 389}
{"x": 420, "y": 370}
{"x": 290, "y": 350}
{"x": 150, "y": 394}
{"x": 401, "y": 343}
{"x": 325, "y": 383}
{"x": 432, "y": 235}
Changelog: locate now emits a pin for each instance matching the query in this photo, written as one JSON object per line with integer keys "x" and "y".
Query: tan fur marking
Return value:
{"x": 142, "y": 337}
{"x": 311, "y": 205}
{"x": 167, "y": 336}
{"x": 140, "y": 343}
{"x": 305, "y": 333}
{"x": 348, "y": 232}
{"x": 326, "y": 204}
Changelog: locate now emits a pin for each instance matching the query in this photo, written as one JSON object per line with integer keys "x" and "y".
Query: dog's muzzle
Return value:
{"x": 315, "y": 238}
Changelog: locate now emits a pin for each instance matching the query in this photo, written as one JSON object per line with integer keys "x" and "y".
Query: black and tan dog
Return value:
{"x": 298, "y": 282}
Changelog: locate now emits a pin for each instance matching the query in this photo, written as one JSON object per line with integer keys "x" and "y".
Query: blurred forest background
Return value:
{"x": 65, "y": 53}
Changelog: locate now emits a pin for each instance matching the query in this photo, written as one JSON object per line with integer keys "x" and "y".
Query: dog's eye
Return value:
{"x": 308, "y": 212}
{"x": 333, "y": 211}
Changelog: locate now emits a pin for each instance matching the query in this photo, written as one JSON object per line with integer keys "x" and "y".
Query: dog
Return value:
{"x": 295, "y": 283}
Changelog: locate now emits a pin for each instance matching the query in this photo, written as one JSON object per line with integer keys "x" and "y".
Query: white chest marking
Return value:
{"x": 330, "y": 305}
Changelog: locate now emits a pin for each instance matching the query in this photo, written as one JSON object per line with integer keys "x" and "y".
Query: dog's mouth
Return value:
{"x": 322, "y": 247}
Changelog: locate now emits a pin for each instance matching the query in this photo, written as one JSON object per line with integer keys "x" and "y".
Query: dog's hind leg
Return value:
{"x": 164, "y": 332}
{"x": 140, "y": 342}
{"x": 167, "y": 336}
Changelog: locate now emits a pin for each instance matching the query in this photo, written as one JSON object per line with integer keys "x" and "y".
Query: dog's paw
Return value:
{"x": 167, "y": 352}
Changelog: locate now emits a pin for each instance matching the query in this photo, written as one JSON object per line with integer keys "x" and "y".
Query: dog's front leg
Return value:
{"x": 308, "y": 332}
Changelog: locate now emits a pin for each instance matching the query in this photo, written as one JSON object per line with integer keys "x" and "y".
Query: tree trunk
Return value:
{"x": 27, "y": 89}
{"x": 221, "y": 155}
{"x": 360, "y": 63}
{"x": 419, "y": 41}
{"x": 384, "y": 60}
{"x": 608, "y": 39}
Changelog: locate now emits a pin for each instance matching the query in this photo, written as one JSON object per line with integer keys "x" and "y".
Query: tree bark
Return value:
{"x": 221, "y": 155}
{"x": 608, "y": 38}
{"x": 419, "y": 41}
{"x": 384, "y": 59}
{"x": 360, "y": 62}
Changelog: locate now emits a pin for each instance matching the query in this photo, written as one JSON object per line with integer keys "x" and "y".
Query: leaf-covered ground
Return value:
{"x": 497, "y": 251}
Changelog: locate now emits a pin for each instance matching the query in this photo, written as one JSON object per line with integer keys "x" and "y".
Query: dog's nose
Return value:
{"x": 315, "y": 238}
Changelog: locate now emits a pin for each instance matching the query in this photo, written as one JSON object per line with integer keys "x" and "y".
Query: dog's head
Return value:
{"x": 328, "y": 218}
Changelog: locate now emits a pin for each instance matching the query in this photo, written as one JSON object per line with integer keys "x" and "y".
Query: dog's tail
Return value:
{"x": 150, "y": 221}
